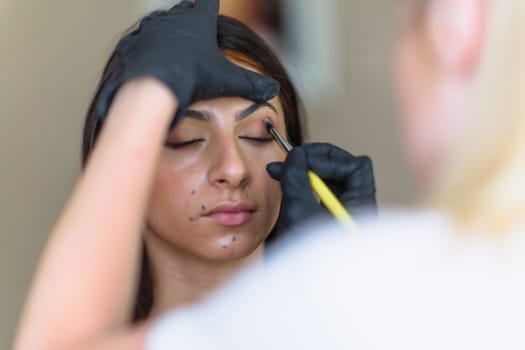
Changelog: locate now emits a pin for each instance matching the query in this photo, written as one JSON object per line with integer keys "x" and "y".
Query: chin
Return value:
{"x": 234, "y": 246}
{"x": 209, "y": 241}
{"x": 230, "y": 253}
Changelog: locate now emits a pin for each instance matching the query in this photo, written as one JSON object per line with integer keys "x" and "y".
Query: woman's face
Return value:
{"x": 212, "y": 197}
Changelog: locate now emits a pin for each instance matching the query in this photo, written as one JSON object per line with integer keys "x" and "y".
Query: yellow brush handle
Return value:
{"x": 329, "y": 200}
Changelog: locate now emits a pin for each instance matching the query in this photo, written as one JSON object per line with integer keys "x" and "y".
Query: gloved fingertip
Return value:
{"x": 275, "y": 170}
{"x": 266, "y": 88}
{"x": 259, "y": 88}
{"x": 297, "y": 158}
{"x": 211, "y": 5}
{"x": 106, "y": 97}
{"x": 185, "y": 4}
{"x": 178, "y": 116}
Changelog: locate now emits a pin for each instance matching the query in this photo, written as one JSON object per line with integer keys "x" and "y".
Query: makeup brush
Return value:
{"x": 319, "y": 187}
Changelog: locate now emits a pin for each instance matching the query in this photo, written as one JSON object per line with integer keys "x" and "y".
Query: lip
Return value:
{"x": 231, "y": 213}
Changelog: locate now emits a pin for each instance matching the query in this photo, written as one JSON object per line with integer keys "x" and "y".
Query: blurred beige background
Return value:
{"x": 52, "y": 53}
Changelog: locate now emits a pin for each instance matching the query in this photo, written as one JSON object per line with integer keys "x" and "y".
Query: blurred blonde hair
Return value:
{"x": 483, "y": 183}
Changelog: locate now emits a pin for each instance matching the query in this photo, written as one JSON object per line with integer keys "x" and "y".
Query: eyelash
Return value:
{"x": 182, "y": 144}
{"x": 257, "y": 139}
{"x": 192, "y": 142}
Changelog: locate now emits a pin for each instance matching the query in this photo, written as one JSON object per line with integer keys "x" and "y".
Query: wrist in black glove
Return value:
{"x": 350, "y": 178}
{"x": 179, "y": 48}
{"x": 298, "y": 202}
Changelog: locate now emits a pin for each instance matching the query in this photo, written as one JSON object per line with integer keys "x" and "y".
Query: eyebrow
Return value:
{"x": 199, "y": 115}
{"x": 254, "y": 107}
{"x": 204, "y": 116}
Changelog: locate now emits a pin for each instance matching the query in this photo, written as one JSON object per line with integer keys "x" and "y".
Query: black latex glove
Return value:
{"x": 350, "y": 178}
{"x": 180, "y": 49}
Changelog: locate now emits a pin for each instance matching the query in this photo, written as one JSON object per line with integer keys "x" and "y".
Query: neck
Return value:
{"x": 181, "y": 278}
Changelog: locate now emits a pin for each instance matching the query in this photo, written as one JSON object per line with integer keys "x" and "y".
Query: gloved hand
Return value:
{"x": 179, "y": 47}
{"x": 350, "y": 178}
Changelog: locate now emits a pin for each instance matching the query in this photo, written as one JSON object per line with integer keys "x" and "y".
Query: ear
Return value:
{"x": 457, "y": 30}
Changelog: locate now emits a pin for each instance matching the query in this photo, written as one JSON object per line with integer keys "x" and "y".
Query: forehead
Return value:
{"x": 237, "y": 107}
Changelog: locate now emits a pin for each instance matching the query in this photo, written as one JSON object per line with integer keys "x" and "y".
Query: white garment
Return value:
{"x": 408, "y": 282}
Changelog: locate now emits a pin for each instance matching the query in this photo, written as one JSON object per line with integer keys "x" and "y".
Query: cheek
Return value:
{"x": 269, "y": 187}
{"x": 262, "y": 183}
{"x": 176, "y": 185}
{"x": 269, "y": 195}
{"x": 273, "y": 199}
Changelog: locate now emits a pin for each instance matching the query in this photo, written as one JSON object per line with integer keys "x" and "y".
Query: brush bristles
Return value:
{"x": 268, "y": 124}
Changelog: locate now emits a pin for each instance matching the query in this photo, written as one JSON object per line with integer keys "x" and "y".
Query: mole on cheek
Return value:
{"x": 203, "y": 207}
{"x": 193, "y": 193}
{"x": 234, "y": 239}
{"x": 191, "y": 219}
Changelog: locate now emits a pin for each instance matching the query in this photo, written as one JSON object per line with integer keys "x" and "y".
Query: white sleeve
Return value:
{"x": 397, "y": 287}
{"x": 261, "y": 309}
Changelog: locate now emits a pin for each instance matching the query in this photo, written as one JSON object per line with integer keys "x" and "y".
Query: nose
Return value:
{"x": 229, "y": 169}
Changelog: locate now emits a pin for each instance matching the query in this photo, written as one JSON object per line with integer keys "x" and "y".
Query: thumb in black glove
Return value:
{"x": 298, "y": 203}
{"x": 179, "y": 48}
{"x": 350, "y": 178}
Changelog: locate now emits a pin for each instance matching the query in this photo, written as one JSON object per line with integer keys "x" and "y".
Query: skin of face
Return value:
{"x": 212, "y": 197}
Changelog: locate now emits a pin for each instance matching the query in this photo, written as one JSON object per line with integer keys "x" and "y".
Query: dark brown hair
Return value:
{"x": 236, "y": 41}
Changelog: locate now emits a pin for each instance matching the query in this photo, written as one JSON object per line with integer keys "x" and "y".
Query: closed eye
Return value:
{"x": 257, "y": 139}
{"x": 178, "y": 145}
